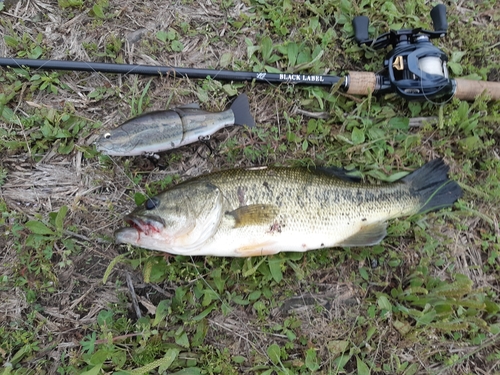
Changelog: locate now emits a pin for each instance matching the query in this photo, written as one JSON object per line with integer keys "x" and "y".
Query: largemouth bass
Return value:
{"x": 158, "y": 131}
{"x": 261, "y": 211}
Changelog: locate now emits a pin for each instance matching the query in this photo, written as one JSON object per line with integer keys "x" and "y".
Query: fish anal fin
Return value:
{"x": 256, "y": 250}
{"x": 368, "y": 235}
{"x": 255, "y": 214}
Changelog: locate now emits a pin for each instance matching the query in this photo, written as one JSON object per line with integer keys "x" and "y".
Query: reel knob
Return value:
{"x": 360, "y": 26}
{"x": 438, "y": 15}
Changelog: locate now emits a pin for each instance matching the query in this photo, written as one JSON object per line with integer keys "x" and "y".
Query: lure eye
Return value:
{"x": 107, "y": 135}
{"x": 152, "y": 203}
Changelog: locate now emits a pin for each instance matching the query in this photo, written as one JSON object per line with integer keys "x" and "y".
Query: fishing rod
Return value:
{"x": 414, "y": 69}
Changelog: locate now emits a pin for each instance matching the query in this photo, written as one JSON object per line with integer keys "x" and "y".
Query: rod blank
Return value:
{"x": 170, "y": 71}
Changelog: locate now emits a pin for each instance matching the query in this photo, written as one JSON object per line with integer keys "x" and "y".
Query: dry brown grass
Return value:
{"x": 98, "y": 193}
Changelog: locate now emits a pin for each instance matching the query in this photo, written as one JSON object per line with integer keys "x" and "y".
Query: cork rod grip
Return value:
{"x": 468, "y": 89}
{"x": 361, "y": 83}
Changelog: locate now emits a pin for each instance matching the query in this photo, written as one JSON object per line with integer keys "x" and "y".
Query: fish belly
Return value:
{"x": 272, "y": 239}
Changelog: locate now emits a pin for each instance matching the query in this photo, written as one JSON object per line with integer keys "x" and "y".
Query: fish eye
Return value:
{"x": 152, "y": 203}
{"x": 107, "y": 135}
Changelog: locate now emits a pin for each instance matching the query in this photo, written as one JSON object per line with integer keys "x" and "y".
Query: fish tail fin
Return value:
{"x": 241, "y": 110}
{"x": 431, "y": 182}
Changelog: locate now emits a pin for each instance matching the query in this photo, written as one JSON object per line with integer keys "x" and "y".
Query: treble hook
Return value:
{"x": 204, "y": 140}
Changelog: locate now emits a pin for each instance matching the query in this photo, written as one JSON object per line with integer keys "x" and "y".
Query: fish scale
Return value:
{"x": 314, "y": 203}
{"x": 266, "y": 210}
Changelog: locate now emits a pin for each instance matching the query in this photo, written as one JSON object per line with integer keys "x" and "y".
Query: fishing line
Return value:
{"x": 129, "y": 178}
{"x": 429, "y": 100}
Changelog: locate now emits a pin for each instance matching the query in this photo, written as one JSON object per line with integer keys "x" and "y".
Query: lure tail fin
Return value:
{"x": 431, "y": 182}
{"x": 241, "y": 110}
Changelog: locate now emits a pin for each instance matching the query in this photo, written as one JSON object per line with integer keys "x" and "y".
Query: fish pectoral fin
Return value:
{"x": 368, "y": 235}
{"x": 255, "y": 214}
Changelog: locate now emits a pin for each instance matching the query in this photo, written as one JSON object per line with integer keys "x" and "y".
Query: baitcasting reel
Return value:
{"x": 415, "y": 69}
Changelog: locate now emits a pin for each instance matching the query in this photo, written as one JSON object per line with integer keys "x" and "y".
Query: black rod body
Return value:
{"x": 150, "y": 70}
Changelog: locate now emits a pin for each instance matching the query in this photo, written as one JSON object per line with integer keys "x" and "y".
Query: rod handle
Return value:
{"x": 468, "y": 89}
{"x": 360, "y": 83}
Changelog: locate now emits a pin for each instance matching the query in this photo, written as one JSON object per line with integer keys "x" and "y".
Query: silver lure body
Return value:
{"x": 165, "y": 130}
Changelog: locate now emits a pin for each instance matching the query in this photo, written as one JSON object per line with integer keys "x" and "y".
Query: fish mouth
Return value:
{"x": 147, "y": 225}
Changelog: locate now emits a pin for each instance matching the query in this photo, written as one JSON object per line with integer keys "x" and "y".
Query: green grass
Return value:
{"x": 424, "y": 301}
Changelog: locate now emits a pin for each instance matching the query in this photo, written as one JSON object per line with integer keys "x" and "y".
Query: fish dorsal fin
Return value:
{"x": 368, "y": 235}
{"x": 340, "y": 173}
{"x": 255, "y": 214}
{"x": 190, "y": 106}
